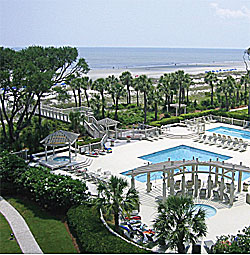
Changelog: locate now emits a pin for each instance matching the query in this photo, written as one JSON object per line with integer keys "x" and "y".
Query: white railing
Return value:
{"x": 91, "y": 146}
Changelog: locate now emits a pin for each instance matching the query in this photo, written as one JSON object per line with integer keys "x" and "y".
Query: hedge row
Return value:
{"x": 37, "y": 183}
{"x": 177, "y": 119}
{"x": 92, "y": 236}
{"x": 241, "y": 115}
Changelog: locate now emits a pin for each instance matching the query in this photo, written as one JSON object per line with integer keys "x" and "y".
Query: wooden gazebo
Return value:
{"x": 60, "y": 138}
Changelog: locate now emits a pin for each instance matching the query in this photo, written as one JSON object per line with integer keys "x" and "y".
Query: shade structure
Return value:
{"x": 60, "y": 138}
{"x": 107, "y": 122}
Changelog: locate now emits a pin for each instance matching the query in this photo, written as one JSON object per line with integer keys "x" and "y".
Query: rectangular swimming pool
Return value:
{"x": 231, "y": 132}
{"x": 179, "y": 153}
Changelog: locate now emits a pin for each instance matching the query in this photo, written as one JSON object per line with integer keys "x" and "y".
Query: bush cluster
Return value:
{"x": 233, "y": 244}
{"x": 37, "y": 183}
{"x": 241, "y": 115}
{"x": 92, "y": 236}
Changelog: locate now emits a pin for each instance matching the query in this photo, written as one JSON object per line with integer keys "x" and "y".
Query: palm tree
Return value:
{"x": 145, "y": 84}
{"x": 180, "y": 78}
{"x": 111, "y": 80}
{"x": 75, "y": 85}
{"x": 136, "y": 86}
{"x": 226, "y": 87}
{"x": 117, "y": 90}
{"x": 164, "y": 86}
{"x": 188, "y": 81}
{"x": 127, "y": 80}
{"x": 86, "y": 84}
{"x": 211, "y": 79}
{"x": 244, "y": 80}
{"x": 246, "y": 58}
{"x": 100, "y": 85}
{"x": 155, "y": 98}
{"x": 113, "y": 199}
{"x": 179, "y": 222}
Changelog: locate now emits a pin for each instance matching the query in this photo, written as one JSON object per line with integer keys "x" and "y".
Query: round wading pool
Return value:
{"x": 61, "y": 158}
{"x": 210, "y": 211}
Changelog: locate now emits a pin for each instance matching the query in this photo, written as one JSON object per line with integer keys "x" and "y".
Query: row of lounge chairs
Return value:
{"x": 222, "y": 141}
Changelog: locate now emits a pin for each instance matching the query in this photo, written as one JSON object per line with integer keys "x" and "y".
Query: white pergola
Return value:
{"x": 60, "y": 138}
{"x": 169, "y": 166}
{"x": 176, "y": 106}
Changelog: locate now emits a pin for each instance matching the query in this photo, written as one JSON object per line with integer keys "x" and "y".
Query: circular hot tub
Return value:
{"x": 61, "y": 159}
{"x": 210, "y": 211}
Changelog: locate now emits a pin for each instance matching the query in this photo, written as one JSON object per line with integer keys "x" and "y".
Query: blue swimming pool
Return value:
{"x": 210, "y": 211}
{"x": 231, "y": 132}
{"x": 178, "y": 153}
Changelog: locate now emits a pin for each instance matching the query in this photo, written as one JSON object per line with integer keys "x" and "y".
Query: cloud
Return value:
{"x": 228, "y": 13}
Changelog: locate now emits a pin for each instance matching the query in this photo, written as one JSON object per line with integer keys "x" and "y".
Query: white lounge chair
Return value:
{"x": 243, "y": 147}
{"x": 223, "y": 140}
{"x": 237, "y": 144}
{"x": 214, "y": 139}
{"x": 208, "y": 140}
{"x": 228, "y": 142}
{"x": 203, "y": 138}
{"x": 198, "y": 138}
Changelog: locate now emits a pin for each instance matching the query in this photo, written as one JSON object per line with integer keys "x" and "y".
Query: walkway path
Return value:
{"x": 20, "y": 228}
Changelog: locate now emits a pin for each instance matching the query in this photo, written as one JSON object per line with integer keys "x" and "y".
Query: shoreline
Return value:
{"x": 156, "y": 72}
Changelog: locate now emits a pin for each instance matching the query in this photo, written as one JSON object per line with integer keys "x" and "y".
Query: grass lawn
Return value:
{"x": 7, "y": 245}
{"x": 48, "y": 230}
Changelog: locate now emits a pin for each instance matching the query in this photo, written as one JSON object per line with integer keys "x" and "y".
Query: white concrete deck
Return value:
{"x": 226, "y": 221}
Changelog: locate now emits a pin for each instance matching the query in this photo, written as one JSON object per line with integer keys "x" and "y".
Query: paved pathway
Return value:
{"x": 20, "y": 228}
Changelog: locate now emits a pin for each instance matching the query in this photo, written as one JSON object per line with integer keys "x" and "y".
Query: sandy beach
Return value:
{"x": 156, "y": 72}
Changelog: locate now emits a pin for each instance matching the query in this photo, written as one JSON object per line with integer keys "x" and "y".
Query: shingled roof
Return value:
{"x": 60, "y": 138}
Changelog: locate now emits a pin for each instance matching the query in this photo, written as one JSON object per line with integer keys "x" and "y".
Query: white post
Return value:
{"x": 222, "y": 185}
{"x": 164, "y": 185}
{"x": 232, "y": 189}
{"x": 196, "y": 183}
{"x": 132, "y": 182}
{"x": 172, "y": 182}
{"x": 69, "y": 154}
{"x": 183, "y": 181}
{"x": 148, "y": 182}
{"x": 239, "y": 180}
{"x": 75, "y": 149}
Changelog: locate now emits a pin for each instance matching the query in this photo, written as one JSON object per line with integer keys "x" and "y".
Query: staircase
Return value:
{"x": 93, "y": 128}
{"x": 90, "y": 124}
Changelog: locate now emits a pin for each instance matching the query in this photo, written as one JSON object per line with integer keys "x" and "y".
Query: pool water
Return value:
{"x": 183, "y": 152}
{"x": 210, "y": 211}
{"x": 231, "y": 132}
{"x": 179, "y": 153}
{"x": 61, "y": 159}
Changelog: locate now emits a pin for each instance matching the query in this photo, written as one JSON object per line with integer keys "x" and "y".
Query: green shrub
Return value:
{"x": 166, "y": 121}
{"x": 233, "y": 244}
{"x": 49, "y": 190}
{"x": 92, "y": 236}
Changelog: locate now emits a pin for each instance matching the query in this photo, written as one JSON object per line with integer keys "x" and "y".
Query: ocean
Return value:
{"x": 119, "y": 58}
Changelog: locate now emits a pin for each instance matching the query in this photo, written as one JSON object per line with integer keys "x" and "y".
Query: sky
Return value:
{"x": 126, "y": 23}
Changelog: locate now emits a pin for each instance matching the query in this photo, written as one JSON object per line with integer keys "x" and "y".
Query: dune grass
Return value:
{"x": 7, "y": 245}
{"x": 48, "y": 230}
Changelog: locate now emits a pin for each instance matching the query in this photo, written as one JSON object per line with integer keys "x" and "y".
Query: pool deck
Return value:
{"x": 228, "y": 220}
